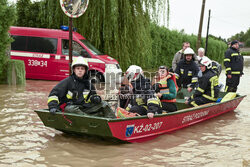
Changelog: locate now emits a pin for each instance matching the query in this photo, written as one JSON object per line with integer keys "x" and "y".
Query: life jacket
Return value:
{"x": 163, "y": 86}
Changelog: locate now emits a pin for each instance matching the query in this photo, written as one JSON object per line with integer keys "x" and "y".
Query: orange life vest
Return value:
{"x": 165, "y": 90}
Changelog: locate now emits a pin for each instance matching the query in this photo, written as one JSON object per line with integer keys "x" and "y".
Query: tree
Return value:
{"x": 7, "y": 16}
{"x": 119, "y": 28}
{"x": 23, "y": 10}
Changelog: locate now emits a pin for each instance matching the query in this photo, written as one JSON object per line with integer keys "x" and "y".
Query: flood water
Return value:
{"x": 223, "y": 141}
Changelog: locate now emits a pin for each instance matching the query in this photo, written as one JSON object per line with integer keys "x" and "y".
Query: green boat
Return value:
{"x": 140, "y": 128}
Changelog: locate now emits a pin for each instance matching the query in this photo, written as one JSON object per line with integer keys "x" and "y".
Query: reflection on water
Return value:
{"x": 25, "y": 141}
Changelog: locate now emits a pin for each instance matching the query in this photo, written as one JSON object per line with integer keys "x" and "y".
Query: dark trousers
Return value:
{"x": 232, "y": 83}
{"x": 138, "y": 109}
{"x": 169, "y": 107}
{"x": 199, "y": 101}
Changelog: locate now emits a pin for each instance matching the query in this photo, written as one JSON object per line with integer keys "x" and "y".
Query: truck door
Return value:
{"x": 77, "y": 50}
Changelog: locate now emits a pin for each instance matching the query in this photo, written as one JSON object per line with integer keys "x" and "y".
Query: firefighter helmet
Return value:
{"x": 134, "y": 72}
{"x": 80, "y": 61}
{"x": 189, "y": 51}
{"x": 205, "y": 61}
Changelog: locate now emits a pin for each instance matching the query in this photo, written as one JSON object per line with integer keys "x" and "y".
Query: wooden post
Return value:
{"x": 207, "y": 31}
{"x": 198, "y": 43}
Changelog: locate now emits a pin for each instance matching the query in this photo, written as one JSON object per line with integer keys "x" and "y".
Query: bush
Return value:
{"x": 7, "y": 16}
{"x": 165, "y": 43}
{"x": 247, "y": 43}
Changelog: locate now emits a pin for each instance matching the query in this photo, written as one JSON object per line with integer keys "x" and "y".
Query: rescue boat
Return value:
{"x": 139, "y": 128}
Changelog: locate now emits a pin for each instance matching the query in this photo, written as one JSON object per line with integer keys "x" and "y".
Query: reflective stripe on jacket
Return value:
{"x": 187, "y": 74}
{"x": 208, "y": 86}
{"x": 72, "y": 89}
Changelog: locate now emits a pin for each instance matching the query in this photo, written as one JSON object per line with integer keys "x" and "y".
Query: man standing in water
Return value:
{"x": 233, "y": 63}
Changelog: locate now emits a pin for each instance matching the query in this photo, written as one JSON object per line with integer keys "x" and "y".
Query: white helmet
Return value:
{"x": 134, "y": 72}
{"x": 80, "y": 61}
{"x": 188, "y": 51}
{"x": 205, "y": 61}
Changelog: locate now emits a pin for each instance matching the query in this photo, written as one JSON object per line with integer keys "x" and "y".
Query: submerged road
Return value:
{"x": 24, "y": 140}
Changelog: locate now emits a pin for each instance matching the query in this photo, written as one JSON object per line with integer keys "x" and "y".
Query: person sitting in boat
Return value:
{"x": 166, "y": 89}
{"x": 187, "y": 71}
{"x": 142, "y": 101}
{"x": 76, "y": 94}
{"x": 208, "y": 89}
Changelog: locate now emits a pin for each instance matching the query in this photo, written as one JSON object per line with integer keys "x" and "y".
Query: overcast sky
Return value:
{"x": 228, "y": 17}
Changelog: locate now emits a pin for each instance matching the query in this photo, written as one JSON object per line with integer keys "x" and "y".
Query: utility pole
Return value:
{"x": 207, "y": 31}
{"x": 70, "y": 44}
{"x": 198, "y": 43}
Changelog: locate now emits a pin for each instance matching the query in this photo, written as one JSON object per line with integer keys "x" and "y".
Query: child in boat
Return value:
{"x": 77, "y": 94}
{"x": 208, "y": 89}
{"x": 166, "y": 89}
{"x": 142, "y": 101}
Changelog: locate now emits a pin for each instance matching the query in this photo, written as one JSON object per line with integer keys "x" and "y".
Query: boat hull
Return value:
{"x": 138, "y": 130}
{"x": 135, "y": 129}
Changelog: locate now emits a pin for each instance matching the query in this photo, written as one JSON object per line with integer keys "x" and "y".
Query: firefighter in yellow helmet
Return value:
{"x": 76, "y": 93}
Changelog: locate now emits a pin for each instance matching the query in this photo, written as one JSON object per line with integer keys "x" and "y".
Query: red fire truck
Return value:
{"x": 45, "y": 54}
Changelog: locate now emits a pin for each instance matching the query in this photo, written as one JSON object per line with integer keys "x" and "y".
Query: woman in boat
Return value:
{"x": 76, "y": 94}
{"x": 166, "y": 89}
{"x": 142, "y": 101}
{"x": 208, "y": 89}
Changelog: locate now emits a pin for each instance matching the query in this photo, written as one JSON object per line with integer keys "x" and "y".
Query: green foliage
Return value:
{"x": 247, "y": 43}
{"x": 124, "y": 29}
{"x": 245, "y": 53}
{"x": 7, "y": 16}
{"x": 16, "y": 69}
{"x": 166, "y": 43}
{"x": 242, "y": 37}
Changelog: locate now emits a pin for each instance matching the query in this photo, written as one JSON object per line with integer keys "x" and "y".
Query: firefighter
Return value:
{"x": 143, "y": 101}
{"x": 165, "y": 88}
{"x": 187, "y": 71}
{"x": 76, "y": 94}
{"x": 233, "y": 63}
{"x": 208, "y": 89}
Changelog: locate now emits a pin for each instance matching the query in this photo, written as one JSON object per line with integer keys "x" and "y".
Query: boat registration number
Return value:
{"x": 147, "y": 127}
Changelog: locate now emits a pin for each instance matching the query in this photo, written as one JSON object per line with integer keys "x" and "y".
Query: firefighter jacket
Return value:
{"x": 208, "y": 86}
{"x": 233, "y": 62}
{"x": 179, "y": 56}
{"x": 187, "y": 74}
{"x": 144, "y": 95}
{"x": 72, "y": 90}
{"x": 168, "y": 90}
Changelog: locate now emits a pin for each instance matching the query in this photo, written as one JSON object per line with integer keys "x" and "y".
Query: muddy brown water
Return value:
{"x": 223, "y": 141}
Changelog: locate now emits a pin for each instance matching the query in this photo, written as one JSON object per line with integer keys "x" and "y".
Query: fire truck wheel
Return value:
{"x": 95, "y": 79}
